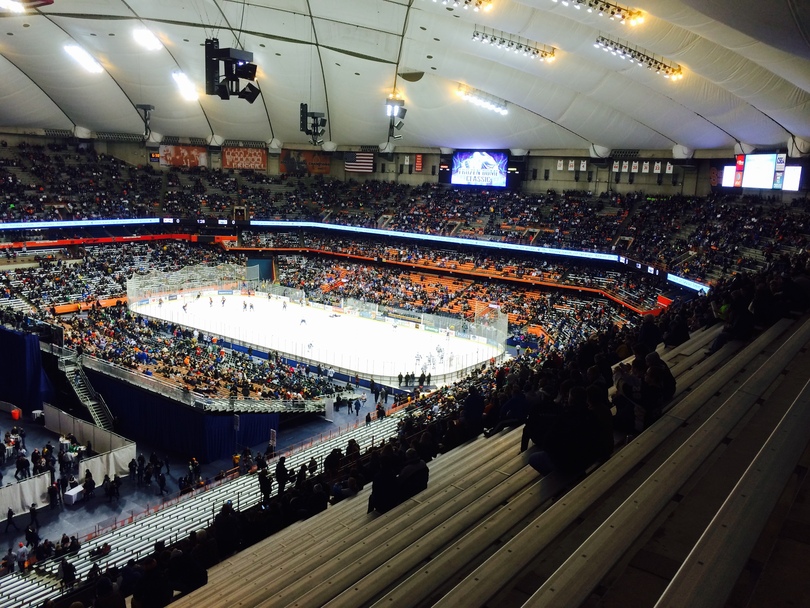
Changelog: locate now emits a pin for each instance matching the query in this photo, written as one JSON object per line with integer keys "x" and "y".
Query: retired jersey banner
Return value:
{"x": 244, "y": 158}
{"x": 657, "y": 167}
{"x": 183, "y": 156}
{"x": 615, "y": 166}
{"x": 634, "y": 167}
{"x": 583, "y": 165}
{"x": 625, "y": 166}
{"x": 669, "y": 168}
{"x": 559, "y": 164}
{"x": 305, "y": 161}
{"x": 645, "y": 166}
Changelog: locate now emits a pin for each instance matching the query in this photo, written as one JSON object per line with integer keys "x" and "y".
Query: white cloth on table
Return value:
{"x": 74, "y": 495}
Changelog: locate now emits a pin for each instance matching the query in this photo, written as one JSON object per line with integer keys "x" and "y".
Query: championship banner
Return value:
{"x": 559, "y": 165}
{"x": 634, "y": 167}
{"x": 244, "y": 158}
{"x": 305, "y": 161}
{"x": 615, "y": 166}
{"x": 645, "y": 166}
{"x": 669, "y": 168}
{"x": 417, "y": 163}
{"x": 583, "y": 165}
{"x": 571, "y": 165}
{"x": 183, "y": 156}
{"x": 657, "y": 167}
{"x": 625, "y": 166}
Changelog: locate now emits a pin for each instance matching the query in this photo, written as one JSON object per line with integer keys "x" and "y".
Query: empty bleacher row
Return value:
{"x": 172, "y": 523}
{"x": 486, "y": 532}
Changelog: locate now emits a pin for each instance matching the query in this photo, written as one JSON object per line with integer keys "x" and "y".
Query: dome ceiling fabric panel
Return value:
{"x": 745, "y": 66}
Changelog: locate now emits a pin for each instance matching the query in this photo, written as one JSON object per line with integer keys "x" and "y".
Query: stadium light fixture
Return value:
{"x": 187, "y": 89}
{"x": 483, "y": 100}
{"x": 225, "y": 67}
{"x": 639, "y": 57}
{"x": 616, "y": 12}
{"x": 83, "y": 58}
{"x": 12, "y": 6}
{"x": 146, "y": 39}
{"x": 516, "y": 44}
{"x": 394, "y": 106}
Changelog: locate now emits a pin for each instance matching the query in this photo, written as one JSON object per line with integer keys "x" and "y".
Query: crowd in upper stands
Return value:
{"x": 634, "y": 288}
{"x": 694, "y": 236}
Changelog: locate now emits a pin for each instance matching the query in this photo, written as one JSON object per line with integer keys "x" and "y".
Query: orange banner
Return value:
{"x": 305, "y": 161}
{"x": 244, "y": 158}
{"x": 183, "y": 156}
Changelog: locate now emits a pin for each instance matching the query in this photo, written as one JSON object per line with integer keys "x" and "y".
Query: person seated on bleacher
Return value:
{"x": 599, "y": 407}
{"x": 677, "y": 332}
{"x": 153, "y": 589}
{"x": 66, "y": 574}
{"x": 513, "y": 412}
{"x": 572, "y": 442}
{"x": 739, "y": 322}
{"x": 669, "y": 383}
{"x": 317, "y": 501}
{"x": 107, "y": 594}
{"x": 45, "y": 550}
{"x": 346, "y": 489}
{"x": 385, "y": 487}
{"x": 413, "y": 478}
{"x": 184, "y": 572}
{"x": 639, "y": 398}
{"x": 472, "y": 413}
{"x": 102, "y": 551}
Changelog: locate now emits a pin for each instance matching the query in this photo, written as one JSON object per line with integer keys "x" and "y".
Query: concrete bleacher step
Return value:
{"x": 668, "y": 492}
{"x": 708, "y": 574}
{"x": 296, "y": 574}
{"x": 451, "y": 517}
{"x": 588, "y": 503}
{"x": 442, "y": 470}
{"x": 344, "y": 517}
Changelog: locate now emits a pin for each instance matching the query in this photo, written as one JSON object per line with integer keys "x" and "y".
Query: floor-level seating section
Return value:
{"x": 138, "y": 538}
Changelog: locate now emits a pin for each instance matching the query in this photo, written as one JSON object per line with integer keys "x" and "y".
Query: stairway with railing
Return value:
{"x": 70, "y": 364}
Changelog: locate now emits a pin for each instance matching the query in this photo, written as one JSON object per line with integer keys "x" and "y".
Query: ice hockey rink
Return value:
{"x": 368, "y": 347}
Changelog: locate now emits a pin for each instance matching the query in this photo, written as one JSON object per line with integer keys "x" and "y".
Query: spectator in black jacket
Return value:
{"x": 571, "y": 443}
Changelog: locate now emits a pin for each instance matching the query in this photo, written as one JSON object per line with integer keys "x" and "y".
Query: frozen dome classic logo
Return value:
{"x": 479, "y": 168}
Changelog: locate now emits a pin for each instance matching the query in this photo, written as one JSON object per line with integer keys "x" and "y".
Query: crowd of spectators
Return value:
{"x": 637, "y": 289}
{"x": 186, "y": 356}
{"x": 98, "y": 272}
{"x": 695, "y": 236}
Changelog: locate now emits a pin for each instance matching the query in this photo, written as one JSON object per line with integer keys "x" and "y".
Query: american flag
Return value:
{"x": 358, "y": 162}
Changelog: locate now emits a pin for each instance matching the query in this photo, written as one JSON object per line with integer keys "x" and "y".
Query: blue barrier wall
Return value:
{"x": 22, "y": 381}
{"x": 148, "y": 417}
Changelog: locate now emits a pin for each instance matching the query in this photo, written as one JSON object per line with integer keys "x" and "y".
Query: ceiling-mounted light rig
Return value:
{"x": 236, "y": 64}
{"x": 313, "y": 124}
{"x": 520, "y": 46}
{"x": 639, "y": 57}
